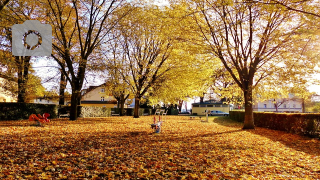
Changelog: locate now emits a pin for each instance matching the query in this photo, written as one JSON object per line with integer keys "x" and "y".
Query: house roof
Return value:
{"x": 98, "y": 102}
{"x": 209, "y": 102}
{"x": 91, "y": 88}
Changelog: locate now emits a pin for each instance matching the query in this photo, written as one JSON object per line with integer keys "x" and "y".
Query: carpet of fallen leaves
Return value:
{"x": 127, "y": 148}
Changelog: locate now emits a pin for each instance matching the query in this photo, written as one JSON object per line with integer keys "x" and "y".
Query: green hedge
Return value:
{"x": 303, "y": 124}
{"x": 18, "y": 111}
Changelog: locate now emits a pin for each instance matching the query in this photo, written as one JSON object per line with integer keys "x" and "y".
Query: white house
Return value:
{"x": 45, "y": 100}
{"x": 315, "y": 98}
{"x": 290, "y": 104}
{"x": 201, "y": 107}
{"x": 98, "y": 96}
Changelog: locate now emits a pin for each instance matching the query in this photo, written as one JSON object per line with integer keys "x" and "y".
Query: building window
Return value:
{"x": 102, "y": 90}
{"x": 196, "y": 105}
{"x": 284, "y": 106}
{"x": 203, "y": 105}
{"x": 102, "y": 98}
{"x": 294, "y": 106}
{"x": 209, "y": 105}
{"x": 265, "y": 105}
{"x": 217, "y": 105}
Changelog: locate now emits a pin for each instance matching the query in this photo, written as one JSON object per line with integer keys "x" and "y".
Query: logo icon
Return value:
{"x": 31, "y": 39}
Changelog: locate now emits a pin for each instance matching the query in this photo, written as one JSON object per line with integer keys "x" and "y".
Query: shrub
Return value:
{"x": 16, "y": 111}
{"x": 303, "y": 124}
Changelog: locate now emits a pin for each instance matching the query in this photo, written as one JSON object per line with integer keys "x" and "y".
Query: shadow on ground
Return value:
{"x": 300, "y": 143}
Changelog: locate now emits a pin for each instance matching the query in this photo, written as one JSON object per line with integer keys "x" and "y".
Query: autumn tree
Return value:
{"x": 79, "y": 28}
{"x": 190, "y": 78}
{"x": 147, "y": 45}
{"x": 3, "y": 3}
{"x": 253, "y": 41}
{"x": 116, "y": 74}
{"x": 19, "y": 64}
{"x": 297, "y": 6}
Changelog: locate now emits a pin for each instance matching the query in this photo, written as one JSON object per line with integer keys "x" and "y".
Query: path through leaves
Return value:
{"x": 127, "y": 148}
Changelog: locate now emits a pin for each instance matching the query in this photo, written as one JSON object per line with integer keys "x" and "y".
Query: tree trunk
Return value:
{"x": 248, "y": 115}
{"x": 63, "y": 84}
{"x": 23, "y": 72}
{"x": 136, "y": 107}
{"x": 276, "y": 106}
{"x": 180, "y": 105}
{"x": 122, "y": 101}
{"x": 118, "y": 102}
{"x": 75, "y": 101}
{"x": 201, "y": 99}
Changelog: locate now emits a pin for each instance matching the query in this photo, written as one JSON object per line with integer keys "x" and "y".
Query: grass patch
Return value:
{"x": 127, "y": 148}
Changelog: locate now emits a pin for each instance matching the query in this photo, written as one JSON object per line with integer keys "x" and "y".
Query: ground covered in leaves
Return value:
{"x": 127, "y": 148}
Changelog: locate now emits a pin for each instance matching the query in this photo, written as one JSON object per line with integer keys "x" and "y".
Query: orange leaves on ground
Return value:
{"x": 127, "y": 148}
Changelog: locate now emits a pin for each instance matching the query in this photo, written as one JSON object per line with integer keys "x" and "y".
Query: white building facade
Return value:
{"x": 290, "y": 104}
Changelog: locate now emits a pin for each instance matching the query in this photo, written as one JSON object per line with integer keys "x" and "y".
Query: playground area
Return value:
{"x": 127, "y": 148}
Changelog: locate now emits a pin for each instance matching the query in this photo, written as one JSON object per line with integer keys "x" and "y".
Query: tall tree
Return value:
{"x": 19, "y": 64}
{"x": 147, "y": 44}
{"x": 116, "y": 74}
{"x": 252, "y": 40}
{"x": 79, "y": 28}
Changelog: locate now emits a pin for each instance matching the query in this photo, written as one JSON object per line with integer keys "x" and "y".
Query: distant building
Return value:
{"x": 201, "y": 107}
{"x": 315, "y": 98}
{"x": 98, "y": 96}
{"x": 46, "y": 100}
{"x": 291, "y": 104}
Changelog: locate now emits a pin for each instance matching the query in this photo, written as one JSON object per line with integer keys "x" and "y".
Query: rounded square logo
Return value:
{"x": 31, "y": 39}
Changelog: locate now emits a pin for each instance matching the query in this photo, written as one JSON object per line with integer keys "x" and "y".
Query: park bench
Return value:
{"x": 113, "y": 113}
{"x": 64, "y": 115}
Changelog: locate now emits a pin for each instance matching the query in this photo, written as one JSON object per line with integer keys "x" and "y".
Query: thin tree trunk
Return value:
{"x": 63, "y": 84}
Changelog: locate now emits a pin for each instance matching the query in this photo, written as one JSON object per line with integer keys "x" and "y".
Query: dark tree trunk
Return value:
{"x": 75, "y": 101}
{"x": 63, "y": 84}
{"x": 201, "y": 99}
{"x": 248, "y": 117}
{"x": 136, "y": 107}
{"x": 122, "y": 100}
{"x": 276, "y": 106}
{"x": 180, "y": 105}
{"x": 23, "y": 64}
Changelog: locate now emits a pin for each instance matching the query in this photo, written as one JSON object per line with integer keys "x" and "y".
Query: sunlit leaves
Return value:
{"x": 122, "y": 147}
